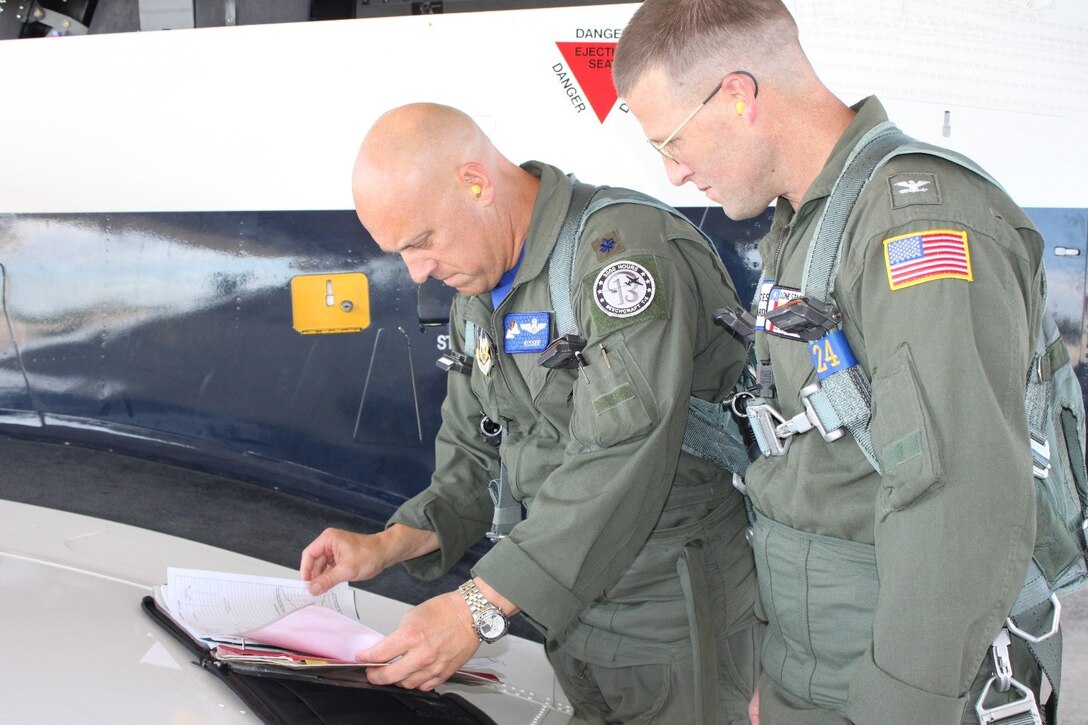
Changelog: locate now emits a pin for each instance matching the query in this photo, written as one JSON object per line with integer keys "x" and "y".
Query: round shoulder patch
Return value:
{"x": 624, "y": 289}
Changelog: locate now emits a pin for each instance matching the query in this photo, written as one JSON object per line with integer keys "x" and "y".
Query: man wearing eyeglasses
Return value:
{"x": 884, "y": 590}
{"x": 631, "y": 557}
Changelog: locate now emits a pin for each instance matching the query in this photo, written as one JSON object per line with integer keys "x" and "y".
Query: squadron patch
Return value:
{"x": 626, "y": 292}
{"x": 624, "y": 289}
{"x": 483, "y": 352}
{"x": 920, "y": 257}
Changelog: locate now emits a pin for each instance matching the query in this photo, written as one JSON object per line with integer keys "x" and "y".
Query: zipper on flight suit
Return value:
{"x": 495, "y": 316}
{"x": 764, "y": 366}
{"x": 782, "y": 237}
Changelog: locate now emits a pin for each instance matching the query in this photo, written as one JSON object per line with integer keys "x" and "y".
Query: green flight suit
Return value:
{"x": 882, "y": 609}
{"x": 620, "y": 524}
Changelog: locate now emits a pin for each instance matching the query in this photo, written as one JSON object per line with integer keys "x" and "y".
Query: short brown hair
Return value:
{"x": 694, "y": 37}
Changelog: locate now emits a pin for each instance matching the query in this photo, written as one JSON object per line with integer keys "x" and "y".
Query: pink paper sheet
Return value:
{"x": 318, "y": 631}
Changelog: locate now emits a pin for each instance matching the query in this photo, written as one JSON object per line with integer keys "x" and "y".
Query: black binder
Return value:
{"x": 289, "y": 697}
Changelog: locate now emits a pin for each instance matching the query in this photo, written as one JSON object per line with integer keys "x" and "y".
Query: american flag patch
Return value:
{"x": 925, "y": 256}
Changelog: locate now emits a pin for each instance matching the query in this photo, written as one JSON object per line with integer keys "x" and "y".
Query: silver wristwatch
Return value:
{"x": 489, "y": 621}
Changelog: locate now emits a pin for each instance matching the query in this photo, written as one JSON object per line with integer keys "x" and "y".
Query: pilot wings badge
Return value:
{"x": 534, "y": 326}
{"x": 526, "y": 332}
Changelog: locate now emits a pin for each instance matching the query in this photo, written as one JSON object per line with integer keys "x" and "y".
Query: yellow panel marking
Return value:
{"x": 330, "y": 303}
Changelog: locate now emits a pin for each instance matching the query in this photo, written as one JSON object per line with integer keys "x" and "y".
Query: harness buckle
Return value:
{"x": 1024, "y": 706}
{"x": 490, "y": 431}
{"x": 738, "y": 402}
{"x": 765, "y": 423}
{"x": 999, "y": 651}
{"x": 1028, "y": 636}
{"x": 1040, "y": 455}
{"x": 809, "y": 419}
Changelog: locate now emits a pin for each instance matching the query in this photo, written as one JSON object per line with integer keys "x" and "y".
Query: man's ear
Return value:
{"x": 476, "y": 182}
{"x": 741, "y": 91}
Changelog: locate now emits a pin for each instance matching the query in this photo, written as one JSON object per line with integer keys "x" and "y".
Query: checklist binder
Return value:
{"x": 319, "y": 696}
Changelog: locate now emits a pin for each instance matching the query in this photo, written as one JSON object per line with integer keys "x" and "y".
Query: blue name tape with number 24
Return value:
{"x": 831, "y": 353}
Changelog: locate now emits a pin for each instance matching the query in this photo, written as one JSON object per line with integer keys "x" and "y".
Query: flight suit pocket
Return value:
{"x": 903, "y": 435}
{"x": 613, "y": 401}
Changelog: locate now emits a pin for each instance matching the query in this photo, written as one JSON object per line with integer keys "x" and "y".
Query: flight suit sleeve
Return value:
{"x": 954, "y": 526}
{"x": 629, "y": 408}
{"x": 456, "y": 504}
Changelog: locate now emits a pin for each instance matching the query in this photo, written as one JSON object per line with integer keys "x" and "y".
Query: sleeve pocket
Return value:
{"x": 903, "y": 435}
{"x": 615, "y": 404}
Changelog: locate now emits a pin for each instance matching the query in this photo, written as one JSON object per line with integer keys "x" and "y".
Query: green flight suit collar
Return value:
{"x": 549, "y": 212}
{"x": 868, "y": 113}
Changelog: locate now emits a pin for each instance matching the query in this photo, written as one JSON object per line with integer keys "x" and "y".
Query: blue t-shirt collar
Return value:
{"x": 506, "y": 283}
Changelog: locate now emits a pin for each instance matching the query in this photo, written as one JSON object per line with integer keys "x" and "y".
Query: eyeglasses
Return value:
{"x": 662, "y": 147}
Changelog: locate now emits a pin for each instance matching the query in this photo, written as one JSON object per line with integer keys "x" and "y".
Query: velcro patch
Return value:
{"x": 526, "y": 331}
{"x": 903, "y": 450}
{"x": 607, "y": 246}
{"x": 927, "y": 256}
{"x": 911, "y": 188}
{"x": 625, "y": 291}
{"x": 620, "y": 394}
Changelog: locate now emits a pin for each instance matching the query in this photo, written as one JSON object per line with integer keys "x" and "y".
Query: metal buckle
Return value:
{"x": 1028, "y": 636}
{"x": 768, "y": 420}
{"x": 738, "y": 402}
{"x": 809, "y": 419}
{"x": 1025, "y": 705}
{"x": 999, "y": 651}
{"x": 1040, "y": 456}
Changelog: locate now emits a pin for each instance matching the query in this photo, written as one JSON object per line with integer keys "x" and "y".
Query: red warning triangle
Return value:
{"x": 591, "y": 64}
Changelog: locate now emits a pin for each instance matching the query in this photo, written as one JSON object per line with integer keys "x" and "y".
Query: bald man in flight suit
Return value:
{"x": 631, "y": 558}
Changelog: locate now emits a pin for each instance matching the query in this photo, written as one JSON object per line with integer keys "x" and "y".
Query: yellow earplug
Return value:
{"x": 476, "y": 189}
{"x": 740, "y": 106}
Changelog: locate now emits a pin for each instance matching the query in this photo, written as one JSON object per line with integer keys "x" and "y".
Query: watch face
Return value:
{"x": 491, "y": 625}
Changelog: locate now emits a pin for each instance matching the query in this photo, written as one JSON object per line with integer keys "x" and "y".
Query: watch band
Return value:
{"x": 474, "y": 598}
